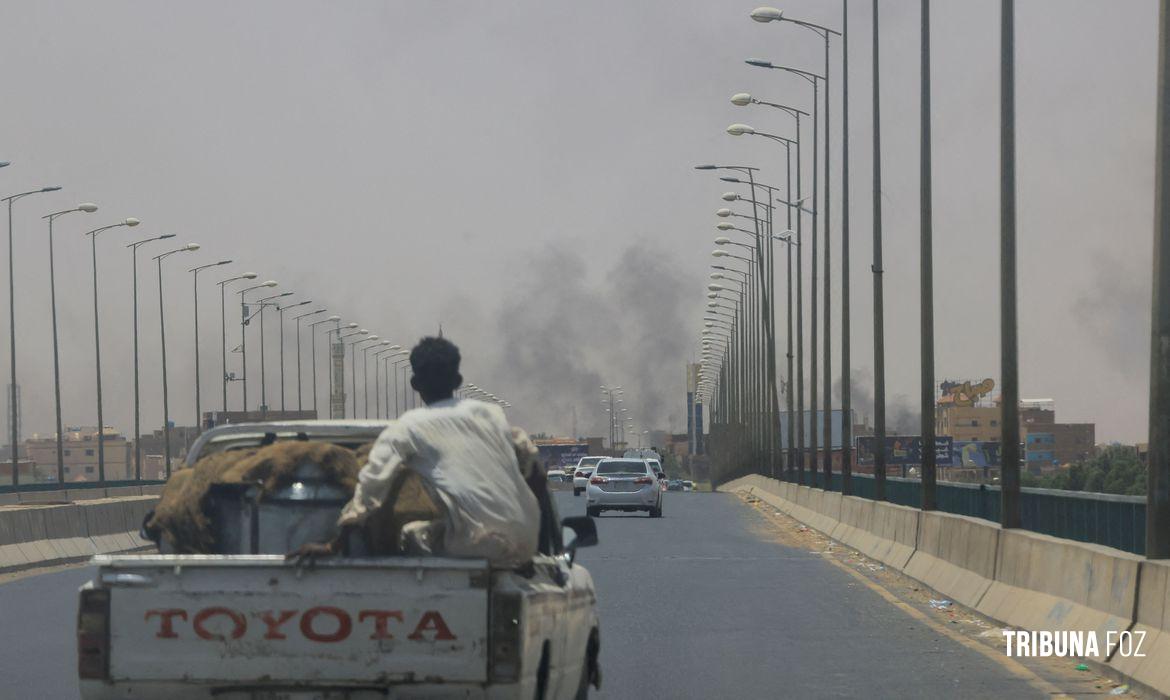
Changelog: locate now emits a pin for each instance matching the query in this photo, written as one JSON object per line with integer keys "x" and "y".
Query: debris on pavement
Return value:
{"x": 940, "y": 604}
{"x": 1081, "y": 667}
{"x": 1120, "y": 690}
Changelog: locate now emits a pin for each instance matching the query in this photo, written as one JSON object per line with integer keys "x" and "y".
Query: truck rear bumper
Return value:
{"x": 97, "y": 690}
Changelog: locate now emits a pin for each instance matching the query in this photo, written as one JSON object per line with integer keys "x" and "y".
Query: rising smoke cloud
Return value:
{"x": 566, "y": 331}
{"x": 902, "y": 415}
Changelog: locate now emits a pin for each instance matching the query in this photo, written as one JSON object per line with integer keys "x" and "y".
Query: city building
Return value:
{"x": 964, "y": 413}
{"x": 80, "y": 455}
{"x": 1048, "y": 444}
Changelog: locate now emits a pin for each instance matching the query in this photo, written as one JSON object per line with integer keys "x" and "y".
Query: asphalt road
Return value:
{"x": 698, "y": 604}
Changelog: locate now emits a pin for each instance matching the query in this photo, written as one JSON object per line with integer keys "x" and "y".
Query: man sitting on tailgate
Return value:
{"x": 468, "y": 458}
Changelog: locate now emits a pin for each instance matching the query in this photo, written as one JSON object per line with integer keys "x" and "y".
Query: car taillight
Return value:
{"x": 93, "y": 634}
{"x": 643, "y": 480}
{"x": 598, "y": 480}
{"x": 505, "y": 636}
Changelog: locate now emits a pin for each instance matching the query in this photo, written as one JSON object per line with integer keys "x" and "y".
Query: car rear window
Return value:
{"x": 590, "y": 461}
{"x": 622, "y": 467}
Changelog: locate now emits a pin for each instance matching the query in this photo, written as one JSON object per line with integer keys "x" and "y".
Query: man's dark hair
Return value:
{"x": 434, "y": 363}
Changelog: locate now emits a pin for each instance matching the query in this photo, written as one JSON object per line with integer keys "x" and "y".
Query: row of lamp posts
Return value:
{"x": 738, "y": 376}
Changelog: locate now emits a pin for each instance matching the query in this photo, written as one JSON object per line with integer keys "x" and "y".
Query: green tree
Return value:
{"x": 1115, "y": 469}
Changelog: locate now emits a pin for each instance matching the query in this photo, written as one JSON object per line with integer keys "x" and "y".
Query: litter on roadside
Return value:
{"x": 995, "y": 632}
{"x": 940, "y": 604}
{"x": 1120, "y": 690}
{"x": 1081, "y": 667}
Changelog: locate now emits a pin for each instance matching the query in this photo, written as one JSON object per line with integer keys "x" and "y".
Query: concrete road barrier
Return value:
{"x": 1047, "y": 583}
{"x": 896, "y": 528}
{"x": 826, "y": 507}
{"x": 1151, "y": 630}
{"x": 46, "y": 534}
{"x": 955, "y": 555}
{"x": 854, "y": 527}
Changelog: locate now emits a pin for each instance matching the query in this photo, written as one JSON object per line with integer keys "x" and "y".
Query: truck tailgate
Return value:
{"x": 242, "y": 620}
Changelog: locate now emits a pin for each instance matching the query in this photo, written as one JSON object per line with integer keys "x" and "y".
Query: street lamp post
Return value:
{"x": 137, "y": 395}
{"x": 195, "y": 290}
{"x": 387, "y": 362}
{"x": 353, "y": 372}
{"x": 385, "y": 345}
{"x": 1008, "y": 341}
{"x": 89, "y": 209}
{"x": 189, "y": 248}
{"x": 769, "y": 14}
{"x": 280, "y": 314}
{"x": 378, "y": 357}
{"x": 223, "y": 327}
{"x": 97, "y": 345}
{"x": 12, "y": 406}
{"x": 313, "y": 359}
{"x": 244, "y": 319}
{"x": 264, "y": 303}
{"x": 394, "y": 365}
{"x": 814, "y": 80}
{"x": 341, "y": 338}
{"x": 926, "y": 284}
{"x": 366, "y": 376}
{"x": 759, "y": 347}
{"x": 300, "y": 399}
{"x": 879, "y": 341}
{"x": 1158, "y": 471}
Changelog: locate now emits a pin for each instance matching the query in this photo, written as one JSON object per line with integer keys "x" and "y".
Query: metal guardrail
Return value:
{"x": 1099, "y": 518}
{"x": 71, "y": 485}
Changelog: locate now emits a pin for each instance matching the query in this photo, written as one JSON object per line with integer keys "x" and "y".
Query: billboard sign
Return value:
{"x": 903, "y": 449}
{"x": 972, "y": 454}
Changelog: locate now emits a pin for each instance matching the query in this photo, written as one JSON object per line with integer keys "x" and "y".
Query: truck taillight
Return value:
{"x": 598, "y": 480}
{"x": 93, "y": 634}
{"x": 505, "y": 636}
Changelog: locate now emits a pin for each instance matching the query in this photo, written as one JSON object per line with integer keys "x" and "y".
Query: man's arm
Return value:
{"x": 526, "y": 453}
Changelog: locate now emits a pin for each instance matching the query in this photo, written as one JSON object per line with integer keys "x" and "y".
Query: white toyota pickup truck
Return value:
{"x": 258, "y": 627}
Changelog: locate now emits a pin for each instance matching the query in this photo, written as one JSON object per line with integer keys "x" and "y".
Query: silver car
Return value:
{"x": 623, "y": 484}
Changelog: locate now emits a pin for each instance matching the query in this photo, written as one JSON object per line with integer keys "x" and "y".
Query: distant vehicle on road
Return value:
{"x": 674, "y": 485}
{"x": 557, "y": 476}
{"x": 624, "y": 484}
{"x": 688, "y": 485}
{"x": 581, "y": 475}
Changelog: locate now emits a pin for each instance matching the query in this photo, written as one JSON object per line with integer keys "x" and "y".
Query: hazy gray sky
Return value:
{"x": 521, "y": 173}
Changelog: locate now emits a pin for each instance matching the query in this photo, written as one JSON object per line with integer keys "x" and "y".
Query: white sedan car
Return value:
{"x": 582, "y": 473}
{"x": 623, "y": 484}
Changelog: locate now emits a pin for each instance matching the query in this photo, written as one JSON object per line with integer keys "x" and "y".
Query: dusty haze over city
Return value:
{"x": 521, "y": 173}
